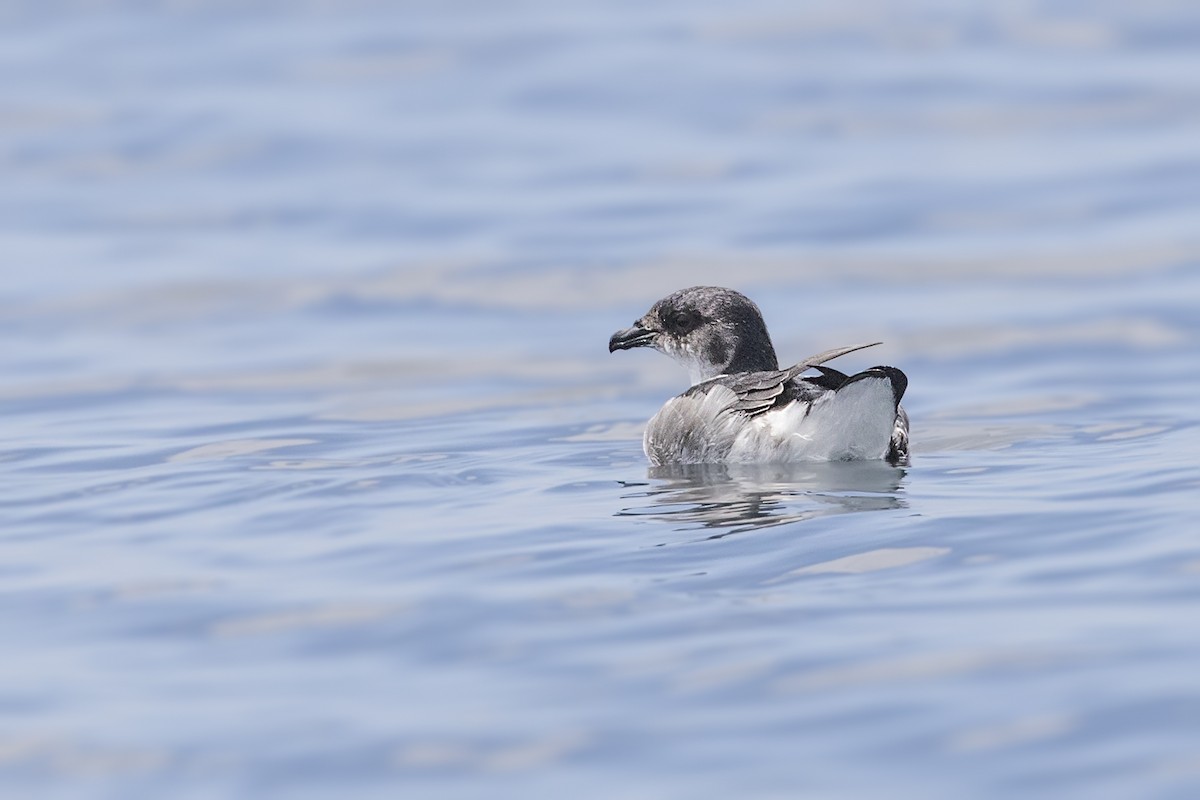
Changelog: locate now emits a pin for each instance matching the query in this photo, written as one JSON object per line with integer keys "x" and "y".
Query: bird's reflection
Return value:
{"x": 735, "y": 498}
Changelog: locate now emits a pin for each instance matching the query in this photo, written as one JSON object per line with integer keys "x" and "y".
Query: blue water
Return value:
{"x": 316, "y": 479}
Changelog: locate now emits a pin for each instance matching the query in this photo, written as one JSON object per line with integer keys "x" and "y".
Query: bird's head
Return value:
{"x": 708, "y": 329}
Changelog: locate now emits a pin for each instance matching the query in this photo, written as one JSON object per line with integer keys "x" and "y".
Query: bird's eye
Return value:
{"x": 682, "y": 321}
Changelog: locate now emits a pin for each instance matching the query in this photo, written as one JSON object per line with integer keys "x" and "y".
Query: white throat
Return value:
{"x": 700, "y": 371}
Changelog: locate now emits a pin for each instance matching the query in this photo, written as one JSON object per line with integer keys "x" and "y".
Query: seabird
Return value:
{"x": 743, "y": 408}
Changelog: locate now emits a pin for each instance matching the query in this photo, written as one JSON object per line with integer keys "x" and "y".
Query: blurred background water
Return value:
{"x": 316, "y": 479}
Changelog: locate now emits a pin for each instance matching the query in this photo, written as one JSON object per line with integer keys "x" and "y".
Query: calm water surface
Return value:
{"x": 316, "y": 479}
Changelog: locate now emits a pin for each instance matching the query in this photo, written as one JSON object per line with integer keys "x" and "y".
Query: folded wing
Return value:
{"x": 826, "y": 416}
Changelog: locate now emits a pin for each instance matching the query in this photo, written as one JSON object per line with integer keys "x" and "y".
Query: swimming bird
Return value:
{"x": 742, "y": 407}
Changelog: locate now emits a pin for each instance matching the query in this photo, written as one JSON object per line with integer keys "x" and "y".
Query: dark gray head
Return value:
{"x": 708, "y": 329}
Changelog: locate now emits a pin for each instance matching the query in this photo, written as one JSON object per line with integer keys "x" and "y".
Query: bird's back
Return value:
{"x": 772, "y": 417}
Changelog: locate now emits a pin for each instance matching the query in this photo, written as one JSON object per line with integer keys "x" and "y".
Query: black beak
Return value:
{"x": 637, "y": 336}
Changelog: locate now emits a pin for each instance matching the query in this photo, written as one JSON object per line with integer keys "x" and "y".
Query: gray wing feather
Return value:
{"x": 758, "y": 391}
{"x": 828, "y": 355}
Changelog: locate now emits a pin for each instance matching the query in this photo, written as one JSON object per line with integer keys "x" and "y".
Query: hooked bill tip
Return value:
{"x": 627, "y": 339}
